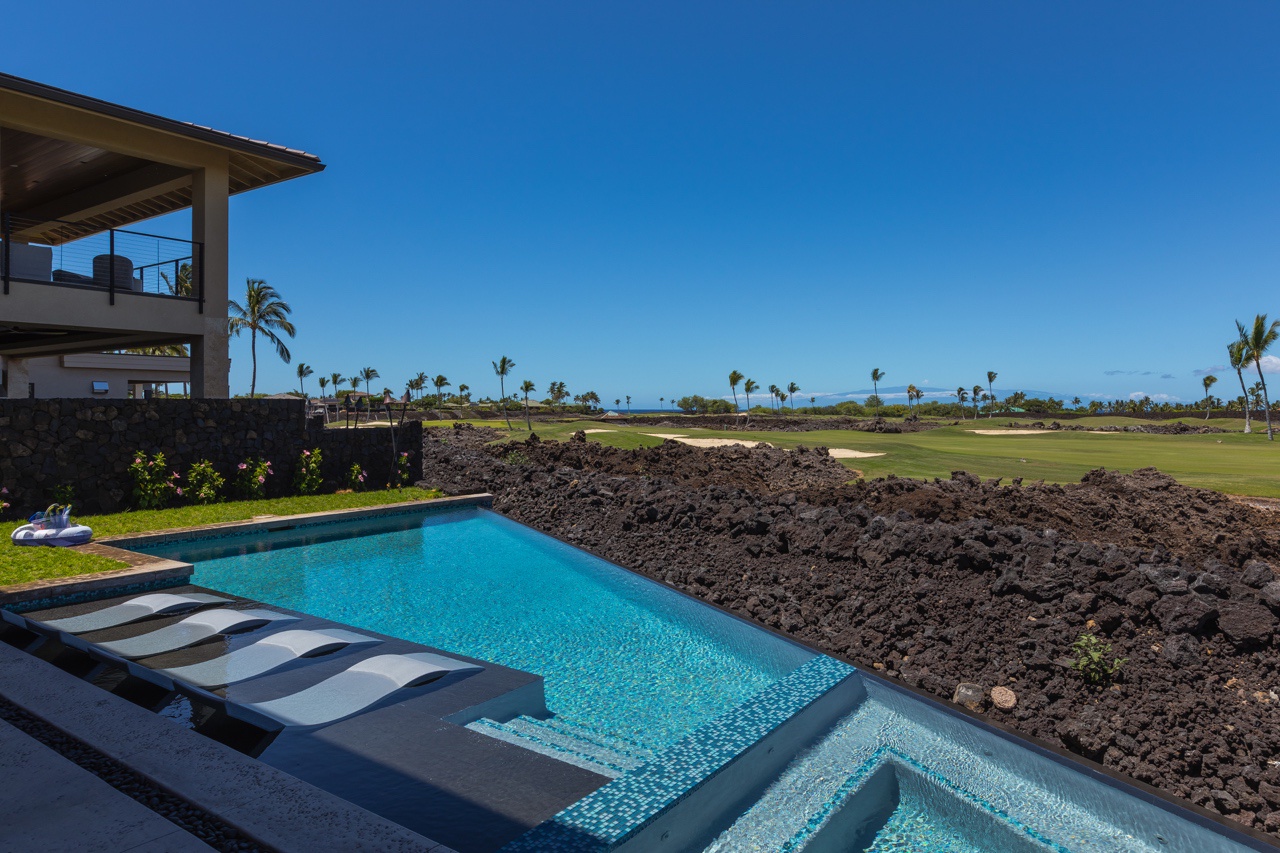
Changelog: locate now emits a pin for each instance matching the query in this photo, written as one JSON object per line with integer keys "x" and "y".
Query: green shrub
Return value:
{"x": 64, "y": 494}
{"x": 153, "y": 485}
{"x": 356, "y": 477}
{"x": 204, "y": 483}
{"x": 1091, "y": 659}
{"x": 251, "y": 479}
{"x": 307, "y": 479}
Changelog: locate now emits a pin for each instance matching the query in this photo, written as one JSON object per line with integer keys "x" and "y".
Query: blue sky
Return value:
{"x": 636, "y": 198}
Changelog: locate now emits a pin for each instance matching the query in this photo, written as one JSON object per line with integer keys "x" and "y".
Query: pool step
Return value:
{"x": 573, "y": 744}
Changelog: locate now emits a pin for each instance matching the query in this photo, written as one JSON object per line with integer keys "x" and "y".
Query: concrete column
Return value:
{"x": 16, "y": 379}
{"x": 210, "y": 358}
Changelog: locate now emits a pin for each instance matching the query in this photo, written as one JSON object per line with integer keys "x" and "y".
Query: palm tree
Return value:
{"x": 419, "y": 382}
{"x": 813, "y": 404}
{"x": 734, "y": 378}
{"x": 1260, "y": 338}
{"x": 991, "y": 378}
{"x": 876, "y": 375}
{"x": 628, "y": 404}
{"x": 751, "y": 385}
{"x": 774, "y": 391}
{"x": 662, "y": 402}
{"x": 354, "y": 381}
{"x": 911, "y": 395}
{"x": 792, "y": 388}
{"x": 336, "y": 380}
{"x": 1235, "y": 353}
{"x": 1208, "y": 401}
{"x": 183, "y": 283}
{"x": 304, "y": 370}
{"x": 977, "y": 393}
{"x": 323, "y": 381}
{"x": 368, "y": 374}
{"x": 263, "y": 313}
{"x": 528, "y": 388}
{"x": 464, "y": 392}
{"x": 962, "y": 395}
{"x": 503, "y": 368}
{"x": 440, "y": 382}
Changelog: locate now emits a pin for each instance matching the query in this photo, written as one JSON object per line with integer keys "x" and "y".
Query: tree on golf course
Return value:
{"x": 1235, "y": 354}
{"x": 792, "y": 388}
{"x": 503, "y": 367}
{"x": 734, "y": 378}
{"x": 1208, "y": 382}
{"x": 527, "y": 387}
{"x": 991, "y": 378}
{"x": 1259, "y": 339}
{"x": 876, "y": 375}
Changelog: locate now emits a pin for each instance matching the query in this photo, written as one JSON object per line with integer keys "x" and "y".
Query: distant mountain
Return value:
{"x": 891, "y": 393}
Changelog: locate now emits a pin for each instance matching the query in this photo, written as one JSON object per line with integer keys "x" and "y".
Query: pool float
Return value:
{"x": 52, "y": 527}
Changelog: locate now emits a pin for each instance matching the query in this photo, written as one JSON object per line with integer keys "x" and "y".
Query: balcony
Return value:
{"x": 117, "y": 262}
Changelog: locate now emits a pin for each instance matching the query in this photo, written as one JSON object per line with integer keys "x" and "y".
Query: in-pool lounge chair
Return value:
{"x": 142, "y": 607}
{"x": 359, "y": 688}
{"x": 188, "y": 632}
{"x": 268, "y": 654}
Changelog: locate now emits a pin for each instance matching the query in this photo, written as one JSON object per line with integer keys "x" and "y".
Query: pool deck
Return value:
{"x": 399, "y": 764}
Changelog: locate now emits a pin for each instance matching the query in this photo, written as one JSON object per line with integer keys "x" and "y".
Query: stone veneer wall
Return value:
{"x": 89, "y": 443}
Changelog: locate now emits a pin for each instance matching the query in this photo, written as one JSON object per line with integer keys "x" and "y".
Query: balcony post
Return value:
{"x": 111, "y": 265}
{"x": 8, "y": 234}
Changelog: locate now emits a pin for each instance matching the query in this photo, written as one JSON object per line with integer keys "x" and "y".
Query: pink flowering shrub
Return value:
{"x": 4, "y": 503}
{"x": 203, "y": 483}
{"x": 153, "y": 484}
{"x": 251, "y": 479}
{"x": 307, "y": 478}
{"x": 357, "y": 477}
{"x": 400, "y": 474}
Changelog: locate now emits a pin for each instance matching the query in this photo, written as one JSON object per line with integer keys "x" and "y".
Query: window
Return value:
{"x": 100, "y": 387}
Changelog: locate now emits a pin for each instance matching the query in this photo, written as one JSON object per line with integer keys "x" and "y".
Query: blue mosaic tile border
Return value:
{"x": 95, "y": 595}
{"x": 888, "y": 753}
{"x": 609, "y": 816}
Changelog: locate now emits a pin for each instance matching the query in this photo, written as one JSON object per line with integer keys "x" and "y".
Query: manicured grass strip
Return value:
{"x": 21, "y": 564}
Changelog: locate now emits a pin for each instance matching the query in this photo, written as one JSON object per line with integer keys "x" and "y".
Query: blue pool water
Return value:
{"x": 619, "y": 653}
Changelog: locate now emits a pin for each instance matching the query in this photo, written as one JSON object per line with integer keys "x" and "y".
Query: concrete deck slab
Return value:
{"x": 61, "y": 806}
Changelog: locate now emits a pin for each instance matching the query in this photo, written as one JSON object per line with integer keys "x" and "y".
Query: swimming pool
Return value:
{"x": 620, "y": 654}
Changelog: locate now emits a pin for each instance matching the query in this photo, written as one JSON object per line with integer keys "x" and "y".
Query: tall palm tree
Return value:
{"x": 304, "y": 370}
{"x": 503, "y": 368}
{"x": 263, "y": 313}
{"x": 528, "y": 388}
{"x": 323, "y": 382}
{"x": 440, "y": 383}
{"x": 1208, "y": 401}
{"x": 628, "y": 404}
{"x": 751, "y": 385}
{"x": 336, "y": 380}
{"x": 876, "y": 375}
{"x": 734, "y": 378}
{"x": 1260, "y": 337}
{"x": 962, "y": 396}
{"x": 1235, "y": 352}
{"x": 911, "y": 395}
{"x": 420, "y": 381}
{"x": 977, "y": 393}
{"x": 464, "y": 392}
{"x": 792, "y": 388}
{"x": 183, "y": 283}
{"x": 774, "y": 391}
{"x": 991, "y": 378}
{"x": 367, "y": 375}
{"x": 354, "y": 381}
{"x": 662, "y": 401}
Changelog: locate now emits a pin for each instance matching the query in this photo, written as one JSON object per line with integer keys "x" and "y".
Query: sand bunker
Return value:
{"x": 1010, "y": 431}
{"x": 589, "y": 431}
{"x": 666, "y": 434}
{"x": 721, "y": 442}
{"x": 842, "y": 453}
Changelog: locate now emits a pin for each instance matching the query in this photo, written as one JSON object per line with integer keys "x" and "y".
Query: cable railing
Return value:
{"x": 116, "y": 260}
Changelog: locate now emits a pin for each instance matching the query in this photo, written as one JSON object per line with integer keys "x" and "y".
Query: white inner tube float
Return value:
{"x": 52, "y": 527}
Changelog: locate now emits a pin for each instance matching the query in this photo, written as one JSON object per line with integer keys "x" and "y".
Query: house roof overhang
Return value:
{"x": 72, "y": 165}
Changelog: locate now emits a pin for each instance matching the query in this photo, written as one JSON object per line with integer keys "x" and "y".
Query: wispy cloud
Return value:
{"x": 1167, "y": 376}
{"x": 1270, "y": 364}
{"x": 1205, "y": 371}
{"x": 1159, "y": 398}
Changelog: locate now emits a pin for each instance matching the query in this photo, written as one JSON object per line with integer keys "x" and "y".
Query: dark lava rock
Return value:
{"x": 1246, "y": 623}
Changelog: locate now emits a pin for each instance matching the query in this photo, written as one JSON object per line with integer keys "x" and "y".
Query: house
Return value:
{"x": 80, "y": 273}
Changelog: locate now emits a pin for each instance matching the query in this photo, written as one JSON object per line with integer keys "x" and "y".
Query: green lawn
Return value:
{"x": 20, "y": 564}
{"x": 1231, "y": 462}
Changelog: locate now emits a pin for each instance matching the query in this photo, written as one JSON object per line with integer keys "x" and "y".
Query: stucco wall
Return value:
{"x": 89, "y": 443}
